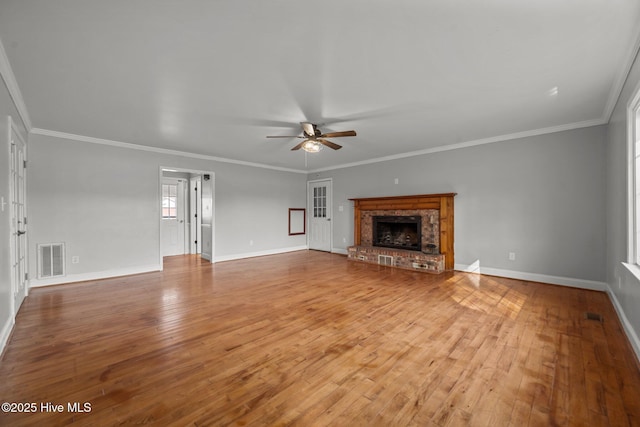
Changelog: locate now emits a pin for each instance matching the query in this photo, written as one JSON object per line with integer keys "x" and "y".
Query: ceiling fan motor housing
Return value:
{"x": 310, "y": 130}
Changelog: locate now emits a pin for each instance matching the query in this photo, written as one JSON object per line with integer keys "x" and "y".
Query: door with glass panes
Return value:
{"x": 320, "y": 215}
{"x": 173, "y": 216}
{"x": 18, "y": 244}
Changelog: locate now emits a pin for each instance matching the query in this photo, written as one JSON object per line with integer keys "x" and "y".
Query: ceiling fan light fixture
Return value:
{"x": 311, "y": 146}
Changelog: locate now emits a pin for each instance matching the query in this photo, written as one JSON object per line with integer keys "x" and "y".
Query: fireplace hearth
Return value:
{"x": 399, "y": 232}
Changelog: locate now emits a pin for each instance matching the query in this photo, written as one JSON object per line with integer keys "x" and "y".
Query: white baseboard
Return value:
{"x": 260, "y": 253}
{"x": 339, "y": 251}
{"x": 71, "y": 278}
{"x": 534, "y": 277}
{"x": 626, "y": 325}
{"x": 6, "y": 333}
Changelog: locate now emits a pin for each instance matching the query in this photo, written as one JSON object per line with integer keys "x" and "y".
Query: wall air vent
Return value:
{"x": 50, "y": 260}
{"x": 385, "y": 260}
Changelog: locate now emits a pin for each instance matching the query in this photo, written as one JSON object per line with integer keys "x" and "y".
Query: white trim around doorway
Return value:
{"x": 209, "y": 257}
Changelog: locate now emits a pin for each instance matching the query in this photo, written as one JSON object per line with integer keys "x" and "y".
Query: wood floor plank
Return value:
{"x": 309, "y": 338}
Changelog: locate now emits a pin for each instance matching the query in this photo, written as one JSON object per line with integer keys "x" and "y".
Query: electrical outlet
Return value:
{"x": 250, "y": 242}
{"x": 344, "y": 240}
{"x": 396, "y": 181}
{"x": 75, "y": 260}
{"x": 512, "y": 256}
{"x": 340, "y": 208}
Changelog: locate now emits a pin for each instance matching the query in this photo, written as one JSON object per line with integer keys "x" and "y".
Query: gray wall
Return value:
{"x": 541, "y": 197}
{"x": 103, "y": 202}
{"x": 7, "y": 108}
{"x": 625, "y": 287}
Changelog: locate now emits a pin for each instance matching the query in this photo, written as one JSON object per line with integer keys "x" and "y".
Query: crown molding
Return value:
{"x": 112, "y": 143}
{"x": 472, "y": 143}
{"x": 466, "y": 144}
{"x": 616, "y": 89}
{"x": 12, "y": 86}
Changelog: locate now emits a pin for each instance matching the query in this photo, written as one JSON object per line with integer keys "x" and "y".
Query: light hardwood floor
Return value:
{"x": 311, "y": 339}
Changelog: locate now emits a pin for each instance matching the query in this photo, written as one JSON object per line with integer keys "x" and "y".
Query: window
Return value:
{"x": 636, "y": 194}
{"x": 633, "y": 126}
{"x": 169, "y": 200}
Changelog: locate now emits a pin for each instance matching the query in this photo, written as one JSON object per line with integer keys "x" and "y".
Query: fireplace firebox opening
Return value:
{"x": 400, "y": 232}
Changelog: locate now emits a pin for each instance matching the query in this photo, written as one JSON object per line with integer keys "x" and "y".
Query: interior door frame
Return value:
{"x": 310, "y": 210}
{"x": 158, "y": 215}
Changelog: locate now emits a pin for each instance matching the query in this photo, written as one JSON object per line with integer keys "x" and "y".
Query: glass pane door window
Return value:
{"x": 319, "y": 202}
{"x": 169, "y": 200}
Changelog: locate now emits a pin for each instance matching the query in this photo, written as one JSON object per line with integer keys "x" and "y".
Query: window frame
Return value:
{"x": 633, "y": 190}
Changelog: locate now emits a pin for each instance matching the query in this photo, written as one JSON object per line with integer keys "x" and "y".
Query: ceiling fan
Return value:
{"x": 314, "y": 139}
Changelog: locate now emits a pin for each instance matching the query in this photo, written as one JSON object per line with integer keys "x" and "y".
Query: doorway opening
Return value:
{"x": 186, "y": 213}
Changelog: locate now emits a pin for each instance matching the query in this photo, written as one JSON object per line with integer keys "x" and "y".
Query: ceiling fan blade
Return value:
{"x": 338, "y": 134}
{"x": 258, "y": 122}
{"x": 284, "y": 136}
{"x": 299, "y": 146}
{"x": 383, "y": 113}
{"x": 329, "y": 144}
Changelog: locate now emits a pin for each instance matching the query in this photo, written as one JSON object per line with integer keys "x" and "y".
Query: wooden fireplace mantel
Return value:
{"x": 442, "y": 202}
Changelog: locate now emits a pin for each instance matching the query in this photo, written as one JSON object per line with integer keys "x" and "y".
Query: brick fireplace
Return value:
{"x": 429, "y": 248}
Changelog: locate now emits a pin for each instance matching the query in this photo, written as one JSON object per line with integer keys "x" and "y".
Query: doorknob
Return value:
{"x": 20, "y": 233}
{"x": 328, "y": 219}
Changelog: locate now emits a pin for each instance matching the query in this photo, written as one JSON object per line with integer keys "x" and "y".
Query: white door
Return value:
{"x": 195, "y": 215}
{"x": 173, "y": 216}
{"x": 18, "y": 217}
{"x": 207, "y": 223}
{"x": 320, "y": 215}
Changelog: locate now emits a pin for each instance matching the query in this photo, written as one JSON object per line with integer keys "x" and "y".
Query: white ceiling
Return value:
{"x": 215, "y": 77}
